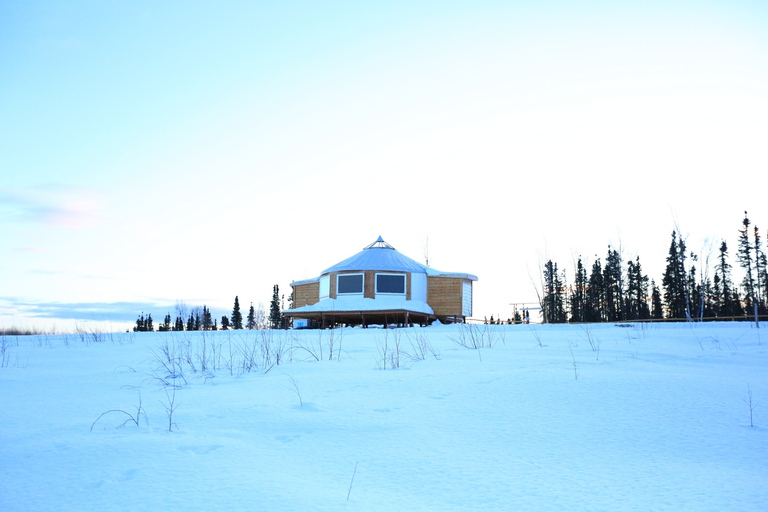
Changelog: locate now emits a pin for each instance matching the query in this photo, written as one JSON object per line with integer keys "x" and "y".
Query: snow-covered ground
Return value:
{"x": 596, "y": 417}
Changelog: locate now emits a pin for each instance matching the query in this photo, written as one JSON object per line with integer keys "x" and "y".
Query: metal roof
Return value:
{"x": 378, "y": 256}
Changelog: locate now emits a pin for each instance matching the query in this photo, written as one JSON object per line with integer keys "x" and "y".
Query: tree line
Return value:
{"x": 691, "y": 288}
{"x": 202, "y": 320}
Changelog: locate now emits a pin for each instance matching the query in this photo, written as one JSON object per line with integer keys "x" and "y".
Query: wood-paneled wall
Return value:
{"x": 444, "y": 294}
{"x": 306, "y": 294}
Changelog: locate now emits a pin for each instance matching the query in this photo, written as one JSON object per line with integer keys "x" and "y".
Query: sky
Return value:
{"x": 156, "y": 152}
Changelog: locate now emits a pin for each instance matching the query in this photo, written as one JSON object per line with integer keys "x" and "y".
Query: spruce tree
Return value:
{"x": 717, "y": 297}
{"x": 548, "y": 290}
{"x": 694, "y": 289}
{"x": 144, "y": 324}
{"x": 275, "y": 316}
{"x": 251, "y": 318}
{"x": 237, "y": 317}
{"x": 629, "y": 297}
{"x": 612, "y": 284}
{"x": 637, "y": 292}
{"x": 224, "y": 323}
{"x": 595, "y": 294}
{"x": 746, "y": 260}
{"x": 553, "y": 305}
{"x": 657, "y": 306}
{"x": 764, "y": 267}
{"x": 644, "y": 309}
{"x": 207, "y": 321}
{"x": 724, "y": 288}
{"x": 579, "y": 296}
{"x": 166, "y": 325}
{"x": 657, "y": 309}
{"x": 674, "y": 281}
{"x": 760, "y": 273}
{"x": 141, "y": 324}
{"x": 560, "y": 293}
{"x": 740, "y": 311}
{"x": 642, "y": 293}
{"x": 708, "y": 300}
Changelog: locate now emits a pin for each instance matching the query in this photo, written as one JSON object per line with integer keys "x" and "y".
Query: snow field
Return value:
{"x": 651, "y": 418}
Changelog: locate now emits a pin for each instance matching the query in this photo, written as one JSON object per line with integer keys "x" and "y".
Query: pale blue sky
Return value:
{"x": 155, "y": 151}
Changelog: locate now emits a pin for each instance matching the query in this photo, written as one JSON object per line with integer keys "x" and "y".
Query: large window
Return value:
{"x": 392, "y": 284}
{"x": 349, "y": 284}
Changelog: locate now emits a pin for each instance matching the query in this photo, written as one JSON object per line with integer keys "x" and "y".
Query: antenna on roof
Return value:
{"x": 379, "y": 244}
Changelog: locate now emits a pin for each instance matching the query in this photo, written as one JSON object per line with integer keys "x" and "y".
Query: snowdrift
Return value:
{"x": 594, "y": 417}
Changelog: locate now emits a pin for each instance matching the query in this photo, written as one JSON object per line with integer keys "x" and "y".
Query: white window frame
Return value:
{"x": 392, "y": 294}
{"x": 362, "y": 286}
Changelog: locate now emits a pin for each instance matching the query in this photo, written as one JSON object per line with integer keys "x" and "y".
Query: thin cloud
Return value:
{"x": 46, "y": 272}
{"x": 57, "y": 206}
{"x": 91, "y": 311}
{"x": 32, "y": 249}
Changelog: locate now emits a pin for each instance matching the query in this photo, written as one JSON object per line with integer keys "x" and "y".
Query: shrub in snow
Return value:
{"x": 131, "y": 419}
{"x": 420, "y": 345}
{"x": 748, "y": 401}
{"x": 474, "y": 336}
{"x": 389, "y": 351}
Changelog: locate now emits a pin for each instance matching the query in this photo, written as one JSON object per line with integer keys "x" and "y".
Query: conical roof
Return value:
{"x": 378, "y": 256}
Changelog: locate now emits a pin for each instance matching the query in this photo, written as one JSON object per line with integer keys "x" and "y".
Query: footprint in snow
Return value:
{"x": 200, "y": 450}
{"x": 126, "y": 475}
{"x": 94, "y": 485}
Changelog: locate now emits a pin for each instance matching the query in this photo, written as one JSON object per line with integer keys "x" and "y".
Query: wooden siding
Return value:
{"x": 333, "y": 285}
{"x": 369, "y": 284}
{"x": 408, "y": 286}
{"x": 444, "y": 295}
{"x": 306, "y": 294}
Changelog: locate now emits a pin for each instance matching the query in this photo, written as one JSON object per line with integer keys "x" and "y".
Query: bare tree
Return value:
{"x": 181, "y": 309}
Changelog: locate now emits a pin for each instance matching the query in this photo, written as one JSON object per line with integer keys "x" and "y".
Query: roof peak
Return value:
{"x": 379, "y": 244}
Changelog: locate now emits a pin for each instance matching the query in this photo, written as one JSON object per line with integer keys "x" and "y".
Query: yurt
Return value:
{"x": 380, "y": 285}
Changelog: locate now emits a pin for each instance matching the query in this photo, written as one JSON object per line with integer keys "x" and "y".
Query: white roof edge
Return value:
{"x": 305, "y": 281}
{"x": 459, "y": 275}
